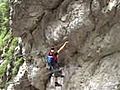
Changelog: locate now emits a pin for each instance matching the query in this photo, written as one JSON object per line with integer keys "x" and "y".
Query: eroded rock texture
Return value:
{"x": 91, "y": 59}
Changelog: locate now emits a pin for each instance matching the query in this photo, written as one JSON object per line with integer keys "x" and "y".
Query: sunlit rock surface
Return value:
{"x": 92, "y": 27}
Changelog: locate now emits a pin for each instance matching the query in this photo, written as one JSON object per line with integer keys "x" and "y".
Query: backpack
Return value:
{"x": 50, "y": 59}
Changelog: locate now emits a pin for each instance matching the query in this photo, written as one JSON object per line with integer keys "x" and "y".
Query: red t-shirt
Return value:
{"x": 55, "y": 55}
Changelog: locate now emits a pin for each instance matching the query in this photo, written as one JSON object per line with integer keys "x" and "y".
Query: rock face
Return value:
{"x": 92, "y": 27}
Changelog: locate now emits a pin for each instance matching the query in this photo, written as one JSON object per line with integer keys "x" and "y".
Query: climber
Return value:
{"x": 52, "y": 59}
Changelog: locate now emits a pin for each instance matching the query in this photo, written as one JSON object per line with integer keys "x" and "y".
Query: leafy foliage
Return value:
{"x": 3, "y": 21}
{"x": 8, "y": 43}
{"x": 3, "y": 31}
{"x": 18, "y": 63}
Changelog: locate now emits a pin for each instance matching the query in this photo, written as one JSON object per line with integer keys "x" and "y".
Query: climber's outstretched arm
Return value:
{"x": 62, "y": 46}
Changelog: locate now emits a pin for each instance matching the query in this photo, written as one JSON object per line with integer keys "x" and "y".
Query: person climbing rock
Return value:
{"x": 52, "y": 59}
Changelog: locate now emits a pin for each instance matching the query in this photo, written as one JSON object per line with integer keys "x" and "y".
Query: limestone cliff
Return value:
{"x": 91, "y": 59}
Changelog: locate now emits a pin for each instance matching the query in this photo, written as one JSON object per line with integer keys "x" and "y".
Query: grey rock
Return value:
{"x": 92, "y": 27}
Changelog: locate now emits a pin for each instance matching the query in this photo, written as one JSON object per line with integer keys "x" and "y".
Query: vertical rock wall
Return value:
{"x": 91, "y": 59}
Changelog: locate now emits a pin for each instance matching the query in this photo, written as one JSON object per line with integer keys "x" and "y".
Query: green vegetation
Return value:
{"x": 3, "y": 68}
{"x": 8, "y": 43}
{"x": 3, "y": 31}
{"x": 17, "y": 65}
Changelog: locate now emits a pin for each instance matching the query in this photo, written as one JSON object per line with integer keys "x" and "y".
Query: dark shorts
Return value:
{"x": 54, "y": 67}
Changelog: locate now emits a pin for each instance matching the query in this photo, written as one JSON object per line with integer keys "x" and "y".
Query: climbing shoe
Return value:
{"x": 57, "y": 84}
